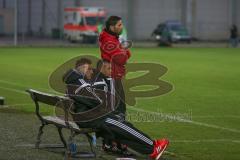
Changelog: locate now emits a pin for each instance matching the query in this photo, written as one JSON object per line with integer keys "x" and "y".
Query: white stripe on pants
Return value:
{"x": 129, "y": 130}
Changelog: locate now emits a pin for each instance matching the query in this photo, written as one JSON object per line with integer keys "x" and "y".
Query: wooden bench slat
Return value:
{"x": 59, "y": 121}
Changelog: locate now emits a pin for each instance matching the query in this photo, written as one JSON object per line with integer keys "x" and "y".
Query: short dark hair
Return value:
{"x": 112, "y": 21}
{"x": 100, "y": 64}
{"x": 82, "y": 61}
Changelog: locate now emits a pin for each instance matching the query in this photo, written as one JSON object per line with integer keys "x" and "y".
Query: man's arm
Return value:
{"x": 113, "y": 52}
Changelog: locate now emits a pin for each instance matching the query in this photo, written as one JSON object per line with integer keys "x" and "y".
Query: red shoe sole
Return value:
{"x": 159, "y": 155}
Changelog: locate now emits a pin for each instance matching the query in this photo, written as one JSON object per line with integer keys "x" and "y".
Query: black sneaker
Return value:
{"x": 111, "y": 149}
{"x": 125, "y": 152}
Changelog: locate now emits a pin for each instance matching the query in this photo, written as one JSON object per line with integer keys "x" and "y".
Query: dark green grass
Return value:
{"x": 206, "y": 89}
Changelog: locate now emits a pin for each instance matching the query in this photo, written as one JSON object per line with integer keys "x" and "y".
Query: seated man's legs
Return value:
{"x": 126, "y": 133}
{"x": 113, "y": 129}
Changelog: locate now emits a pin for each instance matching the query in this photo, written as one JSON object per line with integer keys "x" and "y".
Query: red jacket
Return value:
{"x": 112, "y": 51}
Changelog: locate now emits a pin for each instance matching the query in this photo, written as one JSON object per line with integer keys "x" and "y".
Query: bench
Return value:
{"x": 60, "y": 122}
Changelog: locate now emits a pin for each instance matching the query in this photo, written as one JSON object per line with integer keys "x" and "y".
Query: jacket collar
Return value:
{"x": 111, "y": 33}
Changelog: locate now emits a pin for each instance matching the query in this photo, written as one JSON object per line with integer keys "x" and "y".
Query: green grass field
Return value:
{"x": 206, "y": 88}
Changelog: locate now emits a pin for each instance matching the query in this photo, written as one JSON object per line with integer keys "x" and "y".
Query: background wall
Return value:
{"x": 206, "y": 20}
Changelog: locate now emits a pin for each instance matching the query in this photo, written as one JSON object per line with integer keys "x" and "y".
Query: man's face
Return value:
{"x": 87, "y": 70}
{"x": 118, "y": 28}
{"x": 106, "y": 69}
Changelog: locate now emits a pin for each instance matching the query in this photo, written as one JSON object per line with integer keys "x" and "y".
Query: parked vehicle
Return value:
{"x": 81, "y": 23}
{"x": 171, "y": 31}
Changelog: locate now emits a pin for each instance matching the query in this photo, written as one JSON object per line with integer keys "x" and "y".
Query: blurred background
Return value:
{"x": 202, "y": 66}
{"x": 41, "y": 21}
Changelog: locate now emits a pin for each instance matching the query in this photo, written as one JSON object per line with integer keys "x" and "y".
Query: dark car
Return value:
{"x": 171, "y": 31}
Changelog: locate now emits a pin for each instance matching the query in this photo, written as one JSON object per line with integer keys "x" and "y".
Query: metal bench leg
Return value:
{"x": 40, "y": 132}
{"x": 68, "y": 152}
{"x": 61, "y": 137}
{"x": 90, "y": 141}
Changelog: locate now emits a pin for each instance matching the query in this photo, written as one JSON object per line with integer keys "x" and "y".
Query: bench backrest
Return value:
{"x": 46, "y": 98}
{"x": 52, "y": 100}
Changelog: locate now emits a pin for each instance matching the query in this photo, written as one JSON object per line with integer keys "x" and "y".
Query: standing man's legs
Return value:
{"x": 120, "y": 98}
{"x": 234, "y": 42}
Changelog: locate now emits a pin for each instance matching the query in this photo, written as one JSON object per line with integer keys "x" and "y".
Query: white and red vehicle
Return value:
{"x": 81, "y": 23}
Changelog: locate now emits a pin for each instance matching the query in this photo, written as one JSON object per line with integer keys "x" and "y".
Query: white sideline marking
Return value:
{"x": 171, "y": 141}
{"x": 20, "y": 104}
{"x": 15, "y": 105}
{"x": 33, "y": 145}
{"x": 3, "y": 106}
{"x": 225, "y": 116}
{"x": 19, "y": 85}
{"x": 207, "y": 141}
{"x": 187, "y": 121}
{"x": 14, "y": 90}
{"x": 11, "y": 83}
{"x": 166, "y": 115}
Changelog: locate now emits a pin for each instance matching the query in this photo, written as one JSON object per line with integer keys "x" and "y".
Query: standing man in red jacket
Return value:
{"x": 117, "y": 54}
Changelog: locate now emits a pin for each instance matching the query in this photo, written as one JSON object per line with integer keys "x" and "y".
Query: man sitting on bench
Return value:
{"x": 112, "y": 127}
{"x": 102, "y": 81}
